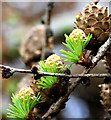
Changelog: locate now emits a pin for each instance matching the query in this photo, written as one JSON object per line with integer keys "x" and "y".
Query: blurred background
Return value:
{"x": 17, "y": 20}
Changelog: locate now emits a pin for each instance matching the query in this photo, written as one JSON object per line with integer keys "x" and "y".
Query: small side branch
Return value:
{"x": 49, "y": 8}
{"x": 14, "y": 70}
{"x": 9, "y": 71}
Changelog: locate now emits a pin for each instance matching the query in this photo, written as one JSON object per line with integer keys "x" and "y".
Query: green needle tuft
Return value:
{"x": 76, "y": 48}
{"x": 22, "y": 107}
{"x": 46, "y": 82}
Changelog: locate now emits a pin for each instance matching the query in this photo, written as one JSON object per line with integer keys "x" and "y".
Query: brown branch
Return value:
{"x": 14, "y": 70}
{"x": 47, "y": 24}
{"x": 63, "y": 99}
{"x": 49, "y": 8}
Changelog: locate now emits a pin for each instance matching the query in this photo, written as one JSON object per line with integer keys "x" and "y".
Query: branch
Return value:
{"x": 47, "y": 24}
{"x": 14, "y": 70}
{"x": 63, "y": 99}
{"x": 49, "y": 8}
{"x": 9, "y": 71}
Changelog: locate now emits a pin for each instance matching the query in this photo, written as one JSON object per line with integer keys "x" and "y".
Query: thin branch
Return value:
{"x": 9, "y": 71}
{"x": 63, "y": 99}
{"x": 49, "y": 8}
{"x": 47, "y": 24}
{"x": 14, "y": 70}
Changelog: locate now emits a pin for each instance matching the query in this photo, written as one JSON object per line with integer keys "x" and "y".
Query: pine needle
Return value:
{"x": 22, "y": 107}
{"x": 46, "y": 82}
{"x": 76, "y": 48}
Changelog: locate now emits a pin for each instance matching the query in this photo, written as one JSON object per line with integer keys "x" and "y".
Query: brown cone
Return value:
{"x": 94, "y": 20}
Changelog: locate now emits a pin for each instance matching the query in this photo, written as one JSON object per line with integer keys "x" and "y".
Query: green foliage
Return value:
{"x": 22, "y": 107}
{"x": 47, "y": 81}
{"x": 76, "y": 48}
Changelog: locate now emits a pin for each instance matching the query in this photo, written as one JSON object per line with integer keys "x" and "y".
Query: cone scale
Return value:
{"x": 95, "y": 20}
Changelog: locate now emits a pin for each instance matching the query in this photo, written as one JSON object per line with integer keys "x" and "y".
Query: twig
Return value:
{"x": 47, "y": 24}
{"x": 62, "y": 100}
{"x": 48, "y": 12}
{"x": 13, "y": 70}
{"x": 9, "y": 71}
{"x": 99, "y": 55}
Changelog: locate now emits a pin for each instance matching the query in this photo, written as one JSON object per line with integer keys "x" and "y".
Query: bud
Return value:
{"x": 25, "y": 91}
{"x": 54, "y": 59}
{"x": 74, "y": 34}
